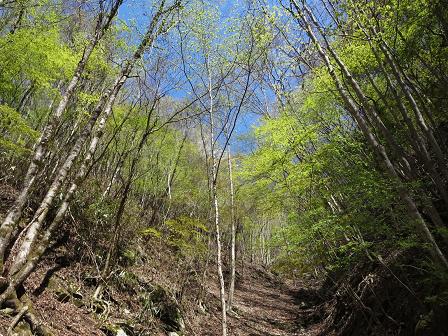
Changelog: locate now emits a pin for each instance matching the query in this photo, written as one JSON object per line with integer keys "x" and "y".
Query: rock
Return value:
{"x": 423, "y": 326}
{"x": 202, "y": 308}
{"x": 23, "y": 329}
{"x": 78, "y": 299}
{"x": 97, "y": 308}
{"x": 172, "y": 333}
{"x": 78, "y": 303}
{"x": 181, "y": 322}
{"x": 66, "y": 293}
{"x": 120, "y": 332}
{"x": 127, "y": 328}
{"x": 117, "y": 329}
{"x": 7, "y": 311}
{"x": 112, "y": 330}
{"x": 3, "y": 283}
{"x": 167, "y": 310}
{"x": 77, "y": 295}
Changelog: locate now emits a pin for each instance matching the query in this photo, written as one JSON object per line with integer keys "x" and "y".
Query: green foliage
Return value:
{"x": 310, "y": 195}
{"x": 312, "y": 166}
{"x": 34, "y": 55}
{"x": 312, "y": 173}
{"x": 14, "y": 131}
{"x": 152, "y": 232}
{"x": 187, "y": 235}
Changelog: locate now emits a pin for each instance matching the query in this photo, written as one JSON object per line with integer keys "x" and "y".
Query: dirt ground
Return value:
{"x": 264, "y": 306}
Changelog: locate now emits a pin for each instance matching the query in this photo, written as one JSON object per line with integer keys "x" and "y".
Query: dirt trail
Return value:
{"x": 264, "y": 306}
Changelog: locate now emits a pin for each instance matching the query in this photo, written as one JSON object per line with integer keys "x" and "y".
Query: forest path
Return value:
{"x": 264, "y": 306}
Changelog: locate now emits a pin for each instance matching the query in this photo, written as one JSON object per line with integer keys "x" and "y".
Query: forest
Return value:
{"x": 219, "y": 167}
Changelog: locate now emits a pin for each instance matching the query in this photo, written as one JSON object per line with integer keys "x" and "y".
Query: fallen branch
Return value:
{"x": 17, "y": 319}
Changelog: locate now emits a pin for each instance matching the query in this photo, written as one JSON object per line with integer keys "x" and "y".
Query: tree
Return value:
{"x": 10, "y": 222}
{"x": 26, "y": 258}
{"x": 301, "y": 14}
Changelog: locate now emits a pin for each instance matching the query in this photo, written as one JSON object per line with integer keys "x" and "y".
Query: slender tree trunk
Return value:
{"x": 115, "y": 173}
{"x": 19, "y": 19}
{"x": 371, "y": 138}
{"x": 405, "y": 85}
{"x": 14, "y": 214}
{"x": 414, "y": 137}
{"x": 41, "y": 213}
{"x": 33, "y": 229}
{"x": 121, "y": 208}
{"x": 418, "y": 114}
{"x": 214, "y": 192}
{"x": 233, "y": 234}
{"x": 116, "y": 234}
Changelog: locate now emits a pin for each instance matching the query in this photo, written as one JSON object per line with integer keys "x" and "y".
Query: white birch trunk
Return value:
{"x": 216, "y": 211}
{"x": 15, "y": 213}
{"x": 233, "y": 234}
{"x": 371, "y": 138}
{"x": 36, "y": 223}
{"x": 31, "y": 252}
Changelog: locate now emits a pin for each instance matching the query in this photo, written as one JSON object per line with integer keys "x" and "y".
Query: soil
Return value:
{"x": 266, "y": 306}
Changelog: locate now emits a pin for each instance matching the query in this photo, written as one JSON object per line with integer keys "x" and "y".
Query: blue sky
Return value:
{"x": 135, "y": 13}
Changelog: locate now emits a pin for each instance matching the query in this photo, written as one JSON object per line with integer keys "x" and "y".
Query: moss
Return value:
{"x": 7, "y": 312}
{"x": 23, "y": 329}
{"x": 66, "y": 293}
{"x": 115, "y": 330}
{"x": 129, "y": 282}
{"x": 109, "y": 329}
{"x": 166, "y": 310}
{"x": 423, "y": 325}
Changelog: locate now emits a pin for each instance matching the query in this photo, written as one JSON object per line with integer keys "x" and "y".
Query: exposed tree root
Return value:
{"x": 25, "y": 312}
{"x": 17, "y": 319}
{"x": 374, "y": 299}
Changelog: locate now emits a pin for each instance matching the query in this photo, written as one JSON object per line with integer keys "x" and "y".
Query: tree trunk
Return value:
{"x": 214, "y": 192}
{"x": 233, "y": 233}
{"x": 121, "y": 208}
{"x": 32, "y": 233}
{"x": 371, "y": 138}
{"x": 14, "y": 214}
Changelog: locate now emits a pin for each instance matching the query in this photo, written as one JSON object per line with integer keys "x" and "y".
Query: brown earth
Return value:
{"x": 266, "y": 306}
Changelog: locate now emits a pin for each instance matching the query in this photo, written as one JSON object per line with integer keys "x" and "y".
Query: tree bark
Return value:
{"x": 377, "y": 147}
{"x": 214, "y": 192}
{"x": 25, "y": 250}
{"x": 233, "y": 234}
{"x": 14, "y": 214}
